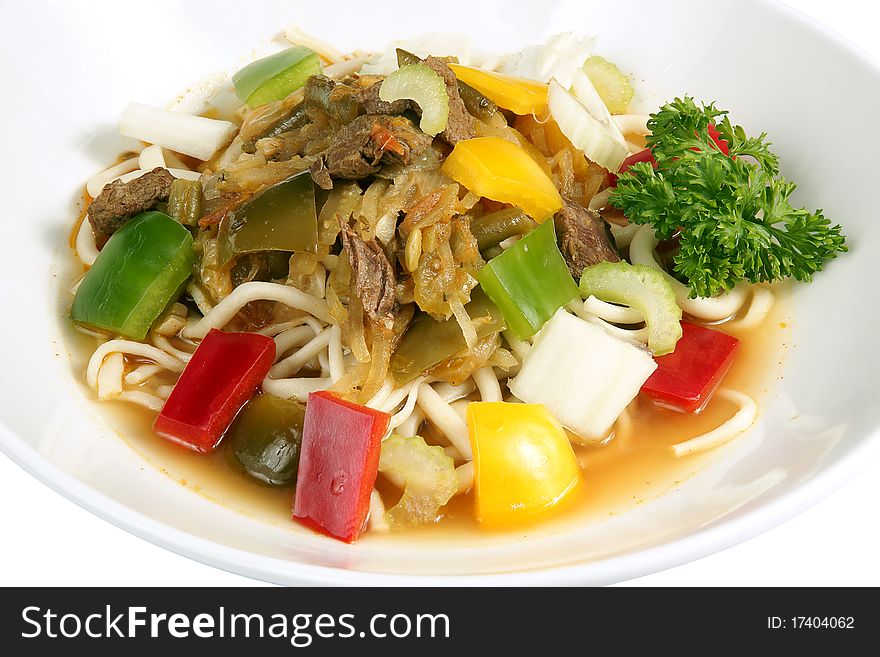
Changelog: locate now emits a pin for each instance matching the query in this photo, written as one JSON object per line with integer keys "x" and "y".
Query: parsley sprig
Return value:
{"x": 731, "y": 214}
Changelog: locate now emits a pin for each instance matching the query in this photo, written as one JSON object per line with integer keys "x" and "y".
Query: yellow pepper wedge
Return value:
{"x": 519, "y": 95}
{"x": 524, "y": 464}
{"x": 504, "y": 172}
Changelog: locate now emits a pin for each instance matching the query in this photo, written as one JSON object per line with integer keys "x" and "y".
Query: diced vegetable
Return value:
{"x": 195, "y": 136}
{"x": 138, "y": 273}
{"x": 642, "y": 288}
{"x": 494, "y": 227}
{"x": 423, "y": 85}
{"x": 582, "y": 374}
{"x": 559, "y": 58}
{"x": 519, "y": 95}
{"x": 428, "y": 341}
{"x": 524, "y": 464}
{"x": 426, "y": 474}
{"x": 185, "y": 201}
{"x": 502, "y": 171}
{"x": 222, "y": 375}
{"x": 529, "y": 281}
{"x": 635, "y": 158}
{"x": 686, "y": 378}
{"x": 338, "y": 465}
{"x": 266, "y": 438}
{"x": 584, "y": 119}
{"x": 612, "y": 86}
{"x": 275, "y": 77}
{"x": 280, "y": 218}
{"x": 475, "y": 102}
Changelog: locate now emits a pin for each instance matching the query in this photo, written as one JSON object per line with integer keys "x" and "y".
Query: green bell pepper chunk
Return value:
{"x": 529, "y": 282}
{"x": 281, "y": 218}
{"x": 266, "y": 439}
{"x": 276, "y": 76}
{"x": 428, "y": 342}
{"x": 138, "y": 273}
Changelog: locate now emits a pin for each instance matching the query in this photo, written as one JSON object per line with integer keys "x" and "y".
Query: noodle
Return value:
{"x": 741, "y": 420}
{"x": 612, "y": 313}
{"x": 292, "y": 364}
{"x": 759, "y": 307}
{"x": 131, "y": 348}
{"x": 446, "y": 420}
{"x": 633, "y": 124}
{"x": 377, "y": 519}
{"x": 142, "y": 373}
{"x": 224, "y": 311}
{"x": 408, "y": 414}
{"x": 487, "y": 384}
{"x": 298, "y": 389}
{"x": 465, "y": 475}
{"x": 711, "y": 309}
{"x": 86, "y": 250}
{"x": 110, "y": 376}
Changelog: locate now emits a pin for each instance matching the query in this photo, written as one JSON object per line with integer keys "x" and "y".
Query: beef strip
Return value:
{"x": 118, "y": 202}
{"x": 460, "y": 125}
{"x": 368, "y": 99}
{"x": 370, "y": 140}
{"x": 584, "y": 238}
{"x": 372, "y": 274}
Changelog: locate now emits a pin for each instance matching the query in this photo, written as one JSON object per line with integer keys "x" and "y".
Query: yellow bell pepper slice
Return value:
{"x": 524, "y": 464}
{"x": 504, "y": 172}
{"x": 519, "y": 95}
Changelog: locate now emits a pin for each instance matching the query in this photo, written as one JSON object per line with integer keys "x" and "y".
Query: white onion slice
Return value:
{"x": 195, "y": 136}
{"x": 587, "y": 127}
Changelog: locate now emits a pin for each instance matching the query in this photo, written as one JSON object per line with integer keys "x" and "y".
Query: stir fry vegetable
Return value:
{"x": 524, "y": 464}
{"x": 137, "y": 274}
{"x": 266, "y": 438}
{"x": 196, "y": 136}
{"x": 276, "y": 76}
{"x": 529, "y": 281}
{"x": 338, "y": 465}
{"x": 583, "y": 375}
{"x": 502, "y": 171}
{"x": 421, "y": 84}
{"x": 494, "y": 227}
{"x": 612, "y": 86}
{"x": 686, "y": 378}
{"x": 731, "y": 213}
{"x": 642, "y": 288}
{"x": 185, "y": 201}
{"x": 281, "y": 218}
{"x": 223, "y": 374}
{"x": 429, "y": 342}
{"x": 426, "y": 474}
{"x": 516, "y": 94}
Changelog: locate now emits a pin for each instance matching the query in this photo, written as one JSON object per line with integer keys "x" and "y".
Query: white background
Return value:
{"x": 47, "y": 540}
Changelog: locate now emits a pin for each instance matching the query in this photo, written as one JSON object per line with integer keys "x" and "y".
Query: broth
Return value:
{"x": 630, "y": 469}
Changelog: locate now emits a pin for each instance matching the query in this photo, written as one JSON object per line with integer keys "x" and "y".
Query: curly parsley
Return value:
{"x": 731, "y": 214}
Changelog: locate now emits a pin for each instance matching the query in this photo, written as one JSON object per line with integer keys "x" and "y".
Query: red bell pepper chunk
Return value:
{"x": 647, "y": 156}
{"x": 641, "y": 156}
{"x": 338, "y": 465}
{"x": 223, "y": 374}
{"x": 685, "y": 379}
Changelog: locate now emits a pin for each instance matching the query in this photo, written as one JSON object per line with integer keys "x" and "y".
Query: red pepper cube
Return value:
{"x": 223, "y": 374}
{"x": 635, "y": 158}
{"x": 338, "y": 465}
{"x": 685, "y": 379}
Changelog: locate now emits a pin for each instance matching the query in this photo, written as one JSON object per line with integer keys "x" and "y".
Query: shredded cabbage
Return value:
{"x": 559, "y": 58}
{"x": 426, "y": 474}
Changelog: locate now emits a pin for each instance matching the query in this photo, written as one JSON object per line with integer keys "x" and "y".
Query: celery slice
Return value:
{"x": 642, "y": 288}
{"x": 419, "y": 83}
{"x": 613, "y": 86}
{"x": 426, "y": 473}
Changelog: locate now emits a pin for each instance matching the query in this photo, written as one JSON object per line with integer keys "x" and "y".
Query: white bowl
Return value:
{"x": 69, "y": 71}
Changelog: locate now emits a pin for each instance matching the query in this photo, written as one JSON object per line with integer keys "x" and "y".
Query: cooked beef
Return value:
{"x": 368, "y": 99}
{"x": 360, "y": 147}
{"x": 118, "y": 202}
{"x": 584, "y": 238}
{"x": 320, "y": 174}
{"x": 461, "y": 123}
{"x": 372, "y": 274}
